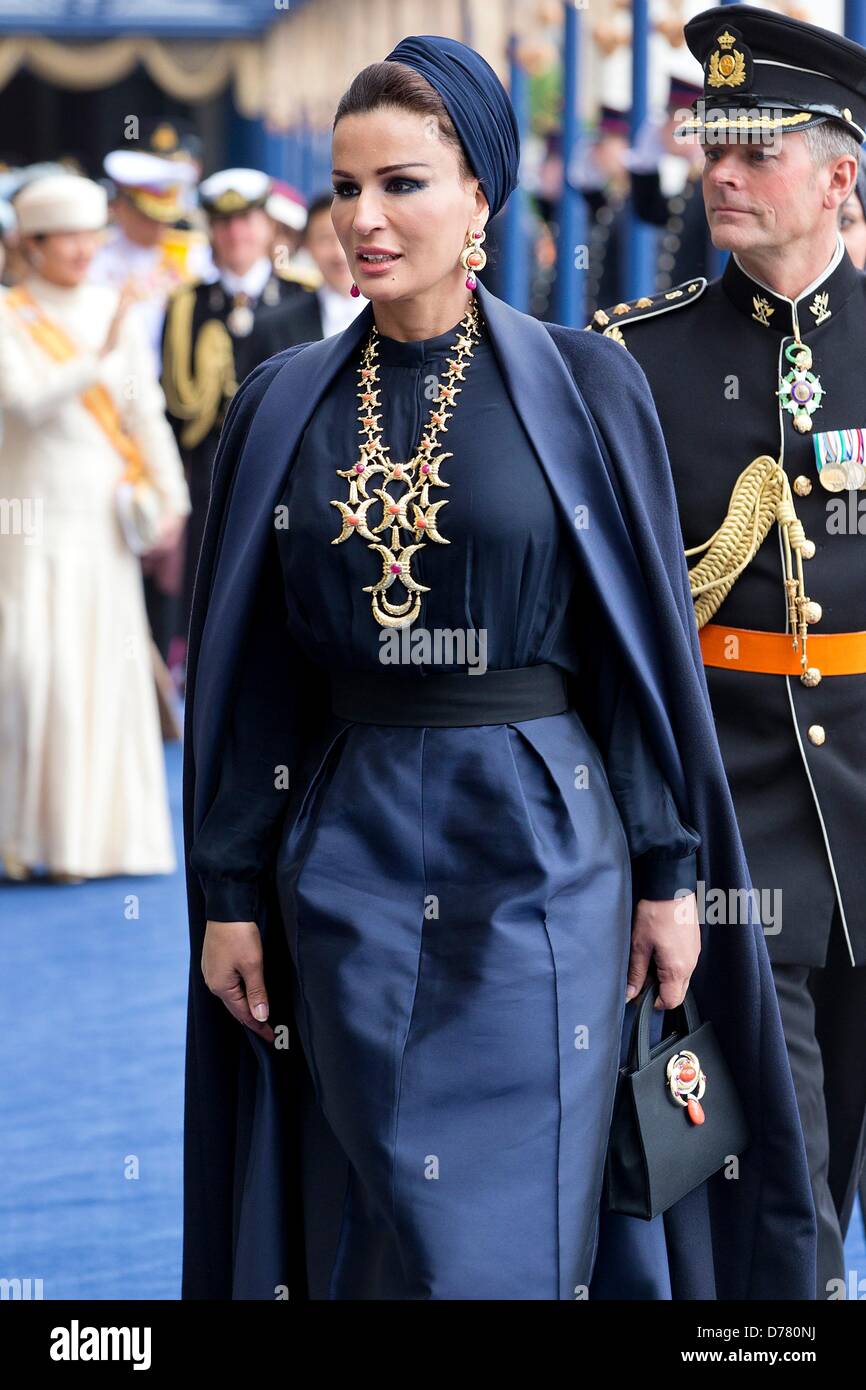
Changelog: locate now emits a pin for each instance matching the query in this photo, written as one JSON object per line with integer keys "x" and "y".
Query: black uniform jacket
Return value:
{"x": 714, "y": 356}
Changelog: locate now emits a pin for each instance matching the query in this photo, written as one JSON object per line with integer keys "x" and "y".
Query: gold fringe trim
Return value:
{"x": 760, "y": 496}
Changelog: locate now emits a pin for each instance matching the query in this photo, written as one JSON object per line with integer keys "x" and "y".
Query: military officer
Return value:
{"x": 602, "y": 178}
{"x": 144, "y": 245}
{"x": 204, "y": 347}
{"x": 758, "y": 380}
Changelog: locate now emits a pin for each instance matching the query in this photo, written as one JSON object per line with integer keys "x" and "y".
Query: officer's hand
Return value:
{"x": 231, "y": 963}
{"x": 669, "y": 930}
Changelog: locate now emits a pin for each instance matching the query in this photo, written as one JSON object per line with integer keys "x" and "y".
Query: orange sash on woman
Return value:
{"x": 97, "y": 399}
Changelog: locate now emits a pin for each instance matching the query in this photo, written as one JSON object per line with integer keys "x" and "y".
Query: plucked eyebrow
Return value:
{"x": 387, "y": 169}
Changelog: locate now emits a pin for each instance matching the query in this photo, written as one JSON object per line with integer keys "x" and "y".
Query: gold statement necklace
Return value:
{"x": 416, "y": 477}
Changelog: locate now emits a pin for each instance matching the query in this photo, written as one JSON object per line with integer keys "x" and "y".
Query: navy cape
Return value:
{"x": 586, "y": 406}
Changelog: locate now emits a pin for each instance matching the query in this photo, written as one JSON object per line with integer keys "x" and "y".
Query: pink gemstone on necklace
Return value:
{"x": 359, "y": 467}
{"x": 395, "y": 569}
{"x": 425, "y": 468}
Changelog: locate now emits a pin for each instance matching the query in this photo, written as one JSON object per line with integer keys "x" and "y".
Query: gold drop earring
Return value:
{"x": 473, "y": 257}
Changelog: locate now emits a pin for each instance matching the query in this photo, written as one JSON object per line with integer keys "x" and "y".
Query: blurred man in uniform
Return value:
{"x": 602, "y": 177}
{"x": 758, "y": 381}
{"x": 207, "y": 324}
{"x": 144, "y": 245}
{"x": 288, "y": 211}
{"x": 666, "y": 191}
{"x": 326, "y": 310}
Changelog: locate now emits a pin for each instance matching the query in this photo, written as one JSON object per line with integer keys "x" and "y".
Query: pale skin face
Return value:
{"x": 398, "y": 189}
{"x": 241, "y": 240}
{"x": 62, "y": 257}
{"x": 777, "y": 210}
{"x": 852, "y": 225}
{"x": 144, "y": 231}
{"x": 324, "y": 246}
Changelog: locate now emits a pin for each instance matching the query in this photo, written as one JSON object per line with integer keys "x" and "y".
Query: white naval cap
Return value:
{"x": 152, "y": 184}
{"x": 138, "y": 169}
{"x": 61, "y": 203}
{"x": 234, "y": 190}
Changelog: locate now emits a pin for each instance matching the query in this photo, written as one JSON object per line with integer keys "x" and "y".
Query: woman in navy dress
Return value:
{"x": 474, "y": 861}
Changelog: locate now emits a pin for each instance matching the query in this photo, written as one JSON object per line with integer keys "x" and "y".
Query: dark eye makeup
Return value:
{"x": 344, "y": 189}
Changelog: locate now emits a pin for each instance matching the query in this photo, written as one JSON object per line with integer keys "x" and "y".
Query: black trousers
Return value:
{"x": 823, "y": 1012}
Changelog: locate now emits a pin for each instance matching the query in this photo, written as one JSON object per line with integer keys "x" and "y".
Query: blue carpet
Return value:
{"x": 91, "y": 1089}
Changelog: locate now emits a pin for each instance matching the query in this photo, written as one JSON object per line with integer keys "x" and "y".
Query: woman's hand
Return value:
{"x": 170, "y": 531}
{"x": 671, "y": 931}
{"x": 231, "y": 963}
{"x": 128, "y": 295}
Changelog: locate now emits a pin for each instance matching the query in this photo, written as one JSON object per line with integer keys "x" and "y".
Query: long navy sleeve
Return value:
{"x": 263, "y": 748}
{"x": 662, "y": 843}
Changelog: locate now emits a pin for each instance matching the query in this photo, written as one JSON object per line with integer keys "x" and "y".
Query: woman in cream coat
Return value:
{"x": 82, "y": 777}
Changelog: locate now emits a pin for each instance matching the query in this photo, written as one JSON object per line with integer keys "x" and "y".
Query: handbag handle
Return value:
{"x": 639, "y": 1045}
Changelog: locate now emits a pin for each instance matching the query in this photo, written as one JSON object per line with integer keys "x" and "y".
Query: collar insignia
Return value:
{"x": 819, "y": 307}
{"x": 763, "y": 310}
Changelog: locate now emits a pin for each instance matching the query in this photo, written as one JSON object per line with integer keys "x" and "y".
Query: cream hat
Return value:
{"x": 61, "y": 203}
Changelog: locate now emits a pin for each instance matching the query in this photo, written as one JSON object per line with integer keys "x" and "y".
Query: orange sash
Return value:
{"x": 97, "y": 399}
{"x": 771, "y": 653}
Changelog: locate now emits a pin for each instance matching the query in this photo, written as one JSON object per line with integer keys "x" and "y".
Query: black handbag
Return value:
{"x": 677, "y": 1117}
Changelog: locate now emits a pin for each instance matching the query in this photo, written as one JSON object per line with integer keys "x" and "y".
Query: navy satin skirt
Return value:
{"x": 458, "y": 908}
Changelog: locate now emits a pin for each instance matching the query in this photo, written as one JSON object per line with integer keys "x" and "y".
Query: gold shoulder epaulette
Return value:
{"x": 611, "y": 321}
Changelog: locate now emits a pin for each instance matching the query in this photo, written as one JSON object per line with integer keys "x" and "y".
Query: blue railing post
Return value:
{"x": 570, "y": 298}
{"x": 515, "y": 251}
{"x": 641, "y": 242}
{"x": 855, "y": 20}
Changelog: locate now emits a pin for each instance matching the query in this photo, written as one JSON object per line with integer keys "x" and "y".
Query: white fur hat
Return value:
{"x": 61, "y": 203}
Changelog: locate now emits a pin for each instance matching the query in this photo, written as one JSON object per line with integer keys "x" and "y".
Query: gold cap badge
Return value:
{"x": 730, "y": 63}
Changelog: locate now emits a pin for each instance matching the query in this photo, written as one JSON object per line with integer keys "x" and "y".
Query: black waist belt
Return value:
{"x": 449, "y": 698}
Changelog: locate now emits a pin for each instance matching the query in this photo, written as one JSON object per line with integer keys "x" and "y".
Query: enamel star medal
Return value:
{"x": 800, "y": 391}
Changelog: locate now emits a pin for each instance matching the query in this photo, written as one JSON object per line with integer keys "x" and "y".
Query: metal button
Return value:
{"x": 817, "y": 734}
{"x": 802, "y": 485}
{"x": 846, "y": 112}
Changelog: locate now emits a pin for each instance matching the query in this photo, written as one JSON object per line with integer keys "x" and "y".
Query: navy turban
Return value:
{"x": 477, "y": 103}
